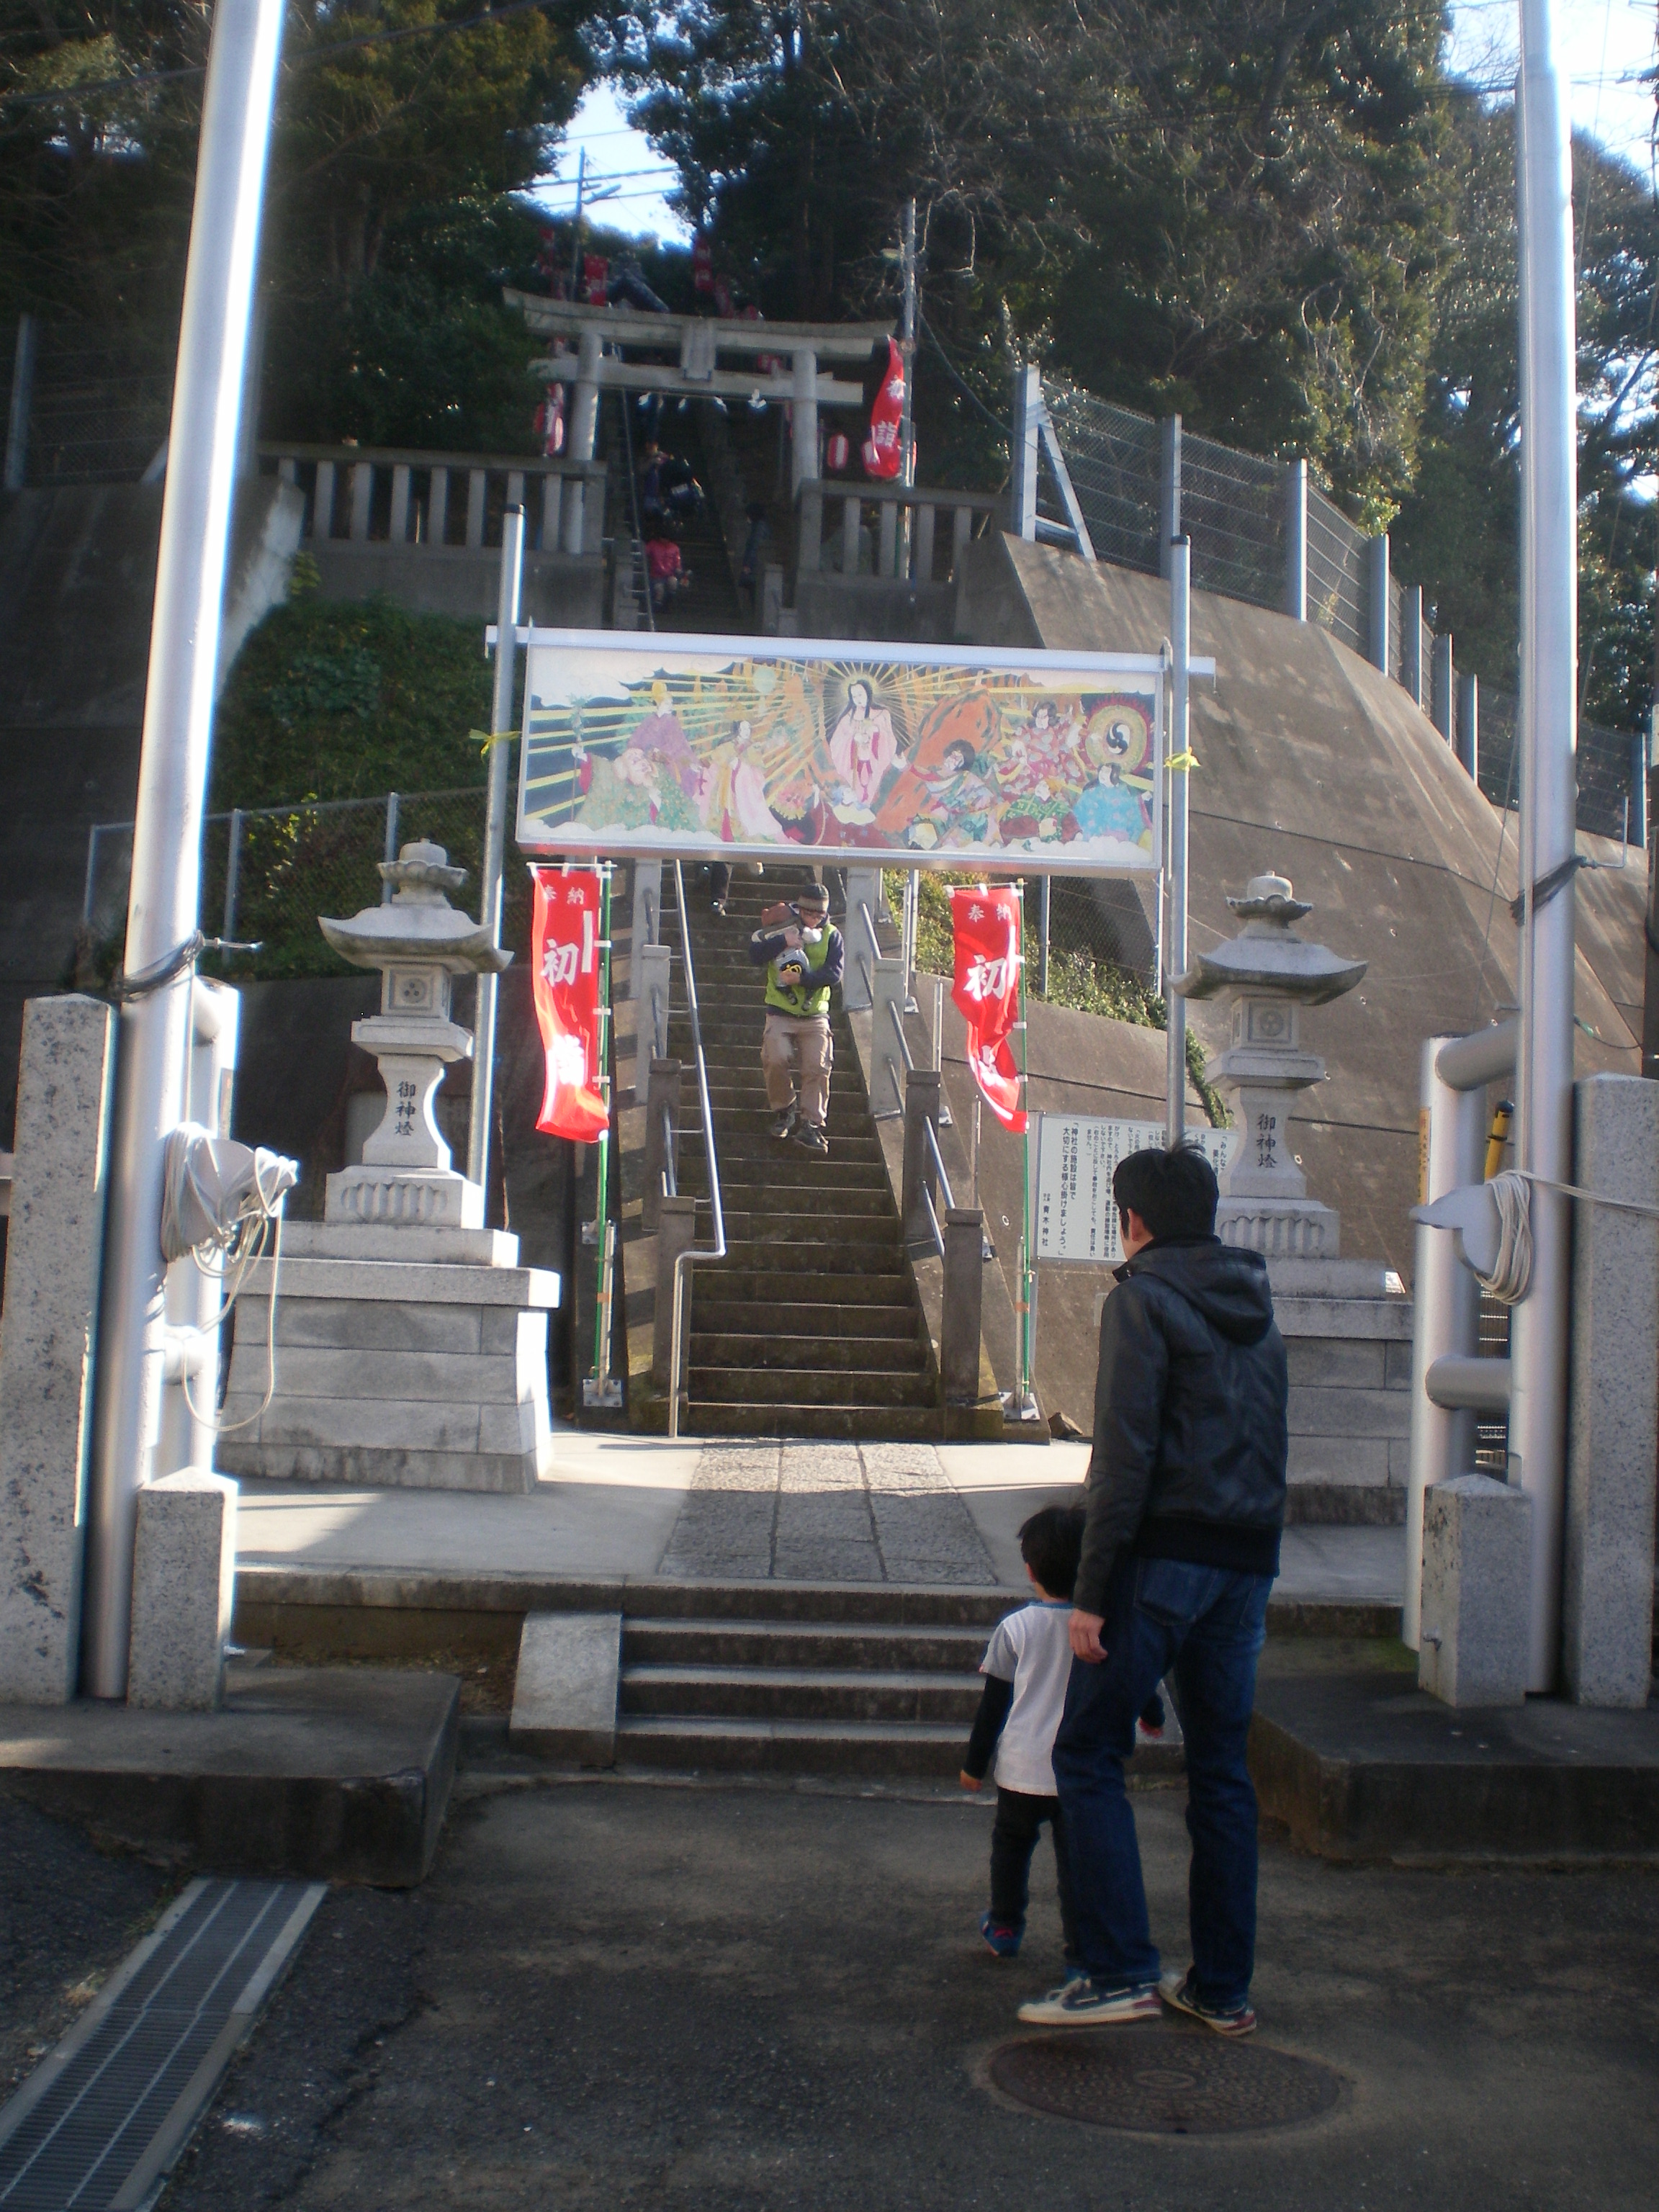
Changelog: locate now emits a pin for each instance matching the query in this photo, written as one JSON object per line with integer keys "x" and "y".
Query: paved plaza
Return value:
{"x": 628, "y": 1505}
{"x": 744, "y": 2001}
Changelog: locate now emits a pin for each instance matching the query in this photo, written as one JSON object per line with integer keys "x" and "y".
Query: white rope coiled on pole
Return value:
{"x": 1512, "y": 1270}
{"x": 218, "y": 1200}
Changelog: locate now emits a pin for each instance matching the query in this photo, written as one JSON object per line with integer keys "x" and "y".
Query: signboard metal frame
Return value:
{"x": 1147, "y": 673}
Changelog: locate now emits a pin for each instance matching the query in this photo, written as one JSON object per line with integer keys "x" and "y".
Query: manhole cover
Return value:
{"x": 1169, "y": 2083}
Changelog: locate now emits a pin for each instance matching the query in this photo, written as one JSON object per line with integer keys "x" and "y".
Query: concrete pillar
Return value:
{"x": 1168, "y": 488}
{"x": 1443, "y": 690}
{"x": 1378, "y": 602}
{"x": 54, "y": 1265}
{"x": 1466, "y": 742}
{"x": 1446, "y": 1307}
{"x": 662, "y": 1094}
{"x": 1023, "y": 481}
{"x": 677, "y": 1231}
{"x": 655, "y": 965}
{"x": 1410, "y": 643}
{"x": 1612, "y": 1397}
{"x": 1296, "y": 540}
{"x": 804, "y": 443}
{"x": 584, "y": 423}
{"x": 964, "y": 1284}
{"x": 184, "y": 1581}
{"x": 645, "y": 921}
{"x": 888, "y": 981}
{"x": 1477, "y": 1570}
{"x": 863, "y": 890}
{"x": 921, "y": 1109}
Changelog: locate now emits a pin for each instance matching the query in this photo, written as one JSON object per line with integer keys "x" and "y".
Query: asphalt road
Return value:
{"x": 615, "y": 1995}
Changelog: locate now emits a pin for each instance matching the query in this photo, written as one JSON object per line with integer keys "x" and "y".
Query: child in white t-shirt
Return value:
{"x": 1026, "y": 1666}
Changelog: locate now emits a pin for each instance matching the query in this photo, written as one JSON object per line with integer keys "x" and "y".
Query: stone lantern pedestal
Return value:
{"x": 1347, "y": 1322}
{"x": 410, "y": 1347}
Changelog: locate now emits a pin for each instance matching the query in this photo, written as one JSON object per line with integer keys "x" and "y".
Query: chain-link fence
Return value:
{"x": 1114, "y": 460}
{"x": 1610, "y": 767}
{"x": 268, "y": 871}
{"x": 94, "y": 414}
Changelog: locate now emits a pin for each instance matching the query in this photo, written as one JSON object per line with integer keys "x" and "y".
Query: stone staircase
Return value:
{"x": 811, "y": 1325}
{"x": 797, "y": 1679}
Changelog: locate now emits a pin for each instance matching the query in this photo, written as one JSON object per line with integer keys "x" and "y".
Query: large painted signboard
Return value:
{"x": 1075, "y": 1155}
{"x": 752, "y": 747}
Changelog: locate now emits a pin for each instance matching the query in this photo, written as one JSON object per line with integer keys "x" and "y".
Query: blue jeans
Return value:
{"x": 1208, "y": 1625}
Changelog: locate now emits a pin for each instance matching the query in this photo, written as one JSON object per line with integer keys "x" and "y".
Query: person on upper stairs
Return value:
{"x": 804, "y": 957}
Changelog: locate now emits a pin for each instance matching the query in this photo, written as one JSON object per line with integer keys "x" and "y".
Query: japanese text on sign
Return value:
{"x": 1077, "y": 1154}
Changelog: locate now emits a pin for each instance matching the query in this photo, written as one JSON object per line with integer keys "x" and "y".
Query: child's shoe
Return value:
{"x": 999, "y": 1936}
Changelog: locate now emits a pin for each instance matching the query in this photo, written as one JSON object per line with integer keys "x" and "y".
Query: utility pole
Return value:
{"x": 1549, "y": 569}
{"x": 576, "y": 227}
{"x": 173, "y": 768}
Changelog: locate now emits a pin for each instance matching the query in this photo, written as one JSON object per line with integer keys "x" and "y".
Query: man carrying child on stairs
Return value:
{"x": 803, "y": 957}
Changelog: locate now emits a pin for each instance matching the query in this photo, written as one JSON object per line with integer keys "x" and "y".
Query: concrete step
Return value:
{"x": 869, "y": 1424}
{"x": 751, "y": 1318}
{"x": 899, "y": 1352}
{"x": 760, "y": 1281}
{"x": 851, "y": 1229}
{"x": 836, "y": 1646}
{"x": 791, "y": 1258}
{"x": 747, "y": 1152}
{"x": 810, "y": 1386}
{"x": 806, "y": 1746}
{"x": 799, "y": 1693}
{"x": 787, "y": 1175}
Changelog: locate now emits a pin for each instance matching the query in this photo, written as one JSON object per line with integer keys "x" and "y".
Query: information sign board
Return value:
{"x": 1074, "y": 1157}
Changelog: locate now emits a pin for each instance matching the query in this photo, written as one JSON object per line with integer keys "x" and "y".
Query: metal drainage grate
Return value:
{"x": 1177, "y": 2082}
{"x": 99, "y": 2123}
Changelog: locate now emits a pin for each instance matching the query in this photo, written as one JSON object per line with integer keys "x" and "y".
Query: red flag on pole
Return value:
{"x": 882, "y": 452}
{"x": 986, "y": 926}
{"x": 564, "y": 944}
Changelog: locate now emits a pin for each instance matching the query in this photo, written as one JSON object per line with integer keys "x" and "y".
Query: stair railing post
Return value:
{"x": 962, "y": 1322}
{"x": 887, "y": 980}
{"x": 677, "y": 1229}
{"x": 655, "y": 967}
{"x": 920, "y": 1107}
{"x": 646, "y": 920}
{"x": 662, "y": 1129}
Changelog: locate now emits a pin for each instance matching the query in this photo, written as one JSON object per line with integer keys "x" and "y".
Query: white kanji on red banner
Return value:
{"x": 564, "y": 947}
{"x": 986, "y": 926}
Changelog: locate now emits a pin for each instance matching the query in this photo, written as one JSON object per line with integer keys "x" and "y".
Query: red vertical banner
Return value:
{"x": 986, "y": 928}
{"x": 882, "y": 452}
{"x": 565, "y": 945}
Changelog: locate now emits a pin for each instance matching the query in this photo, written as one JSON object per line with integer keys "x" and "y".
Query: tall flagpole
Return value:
{"x": 1549, "y": 623}
{"x": 173, "y": 768}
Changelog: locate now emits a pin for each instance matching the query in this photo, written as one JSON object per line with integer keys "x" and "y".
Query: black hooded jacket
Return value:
{"x": 1190, "y": 1439}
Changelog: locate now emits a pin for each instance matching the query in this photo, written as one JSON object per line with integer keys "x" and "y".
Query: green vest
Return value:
{"x": 803, "y": 1001}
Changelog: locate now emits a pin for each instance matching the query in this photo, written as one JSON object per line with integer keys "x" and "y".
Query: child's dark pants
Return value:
{"x": 1013, "y": 1838}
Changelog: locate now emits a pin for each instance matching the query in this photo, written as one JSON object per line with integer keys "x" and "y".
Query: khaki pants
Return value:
{"x": 786, "y": 1037}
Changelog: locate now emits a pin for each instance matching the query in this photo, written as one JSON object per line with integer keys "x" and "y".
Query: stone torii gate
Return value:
{"x": 700, "y": 341}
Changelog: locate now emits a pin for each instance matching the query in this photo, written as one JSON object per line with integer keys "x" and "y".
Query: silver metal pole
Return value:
{"x": 1549, "y": 569}
{"x": 907, "y": 416}
{"x": 1174, "y": 953}
{"x": 489, "y": 907}
{"x": 173, "y": 768}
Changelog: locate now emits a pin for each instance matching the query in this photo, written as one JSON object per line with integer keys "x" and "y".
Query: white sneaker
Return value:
{"x": 1083, "y": 2003}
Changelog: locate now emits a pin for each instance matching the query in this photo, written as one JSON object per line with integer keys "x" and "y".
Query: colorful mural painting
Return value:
{"x": 751, "y": 746}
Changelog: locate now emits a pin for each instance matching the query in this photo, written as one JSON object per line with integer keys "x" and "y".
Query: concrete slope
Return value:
{"x": 77, "y": 578}
{"x": 1313, "y": 763}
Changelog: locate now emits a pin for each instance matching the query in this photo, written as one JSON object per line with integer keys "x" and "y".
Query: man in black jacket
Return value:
{"x": 1184, "y": 1503}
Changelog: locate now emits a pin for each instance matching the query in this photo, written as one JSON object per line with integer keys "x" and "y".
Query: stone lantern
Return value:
{"x": 420, "y": 944}
{"x": 1270, "y": 974}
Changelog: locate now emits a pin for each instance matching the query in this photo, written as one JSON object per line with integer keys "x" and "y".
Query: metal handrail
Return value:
{"x": 903, "y": 1042}
{"x": 687, "y": 1259}
{"x": 932, "y": 1136}
{"x": 670, "y": 1182}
